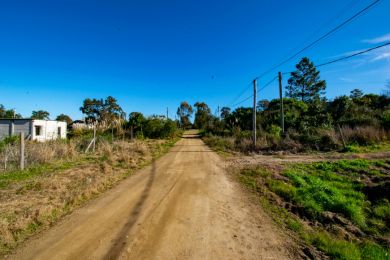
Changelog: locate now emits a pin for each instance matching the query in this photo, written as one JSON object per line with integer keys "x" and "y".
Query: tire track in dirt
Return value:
{"x": 183, "y": 206}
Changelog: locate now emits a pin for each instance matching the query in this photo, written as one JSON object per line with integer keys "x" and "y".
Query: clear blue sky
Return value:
{"x": 153, "y": 54}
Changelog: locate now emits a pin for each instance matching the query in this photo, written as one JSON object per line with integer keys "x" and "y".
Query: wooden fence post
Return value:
{"x": 22, "y": 151}
{"x": 94, "y": 138}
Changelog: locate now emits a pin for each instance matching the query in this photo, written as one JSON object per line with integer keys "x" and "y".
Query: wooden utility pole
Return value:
{"x": 22, "y": 151}
{"x": 254, "y": 112}
{"x": 281, "y": 102}
{"x": 167, "y": 114}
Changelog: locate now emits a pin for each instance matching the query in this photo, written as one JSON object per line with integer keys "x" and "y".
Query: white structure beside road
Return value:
{"x": 38, "y": 130}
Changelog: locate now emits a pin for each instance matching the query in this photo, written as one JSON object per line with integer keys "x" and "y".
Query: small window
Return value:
{"x": 59, "y": 131}
{"x": 38, "y": 130}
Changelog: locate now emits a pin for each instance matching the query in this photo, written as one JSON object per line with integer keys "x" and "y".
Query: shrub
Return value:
{"x": 364, "y": 135}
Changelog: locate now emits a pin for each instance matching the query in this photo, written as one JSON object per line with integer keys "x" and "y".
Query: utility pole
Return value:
{"x": 167, "y": 114}
{"x": 281, "y": 102}
{"x": 254, "y": 111}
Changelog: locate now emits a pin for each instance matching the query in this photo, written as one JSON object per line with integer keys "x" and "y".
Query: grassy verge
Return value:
{"x": 342, "y": 207}
{"x": 36, "y": 198}
{"x": 266, "y": 144}
{"x": 223, "y": 146}
{"x": 383, "y": 147}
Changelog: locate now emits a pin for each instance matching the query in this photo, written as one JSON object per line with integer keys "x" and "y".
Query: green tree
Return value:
{"x": 92, "y": 109}
{"x": 225, "y": 112}
{"x": 240, "y": 118}
{"x": 64, "y": 118}
{"x": 184, "y": 112}
{"x": 40, "y": 114}
{"x": 339, "y": 107}
{"x": 316, "y": 115}
{"x": 136, "y": 120}
{"x": 202, "y": 115}
{"x": 262, "y": 105}
{"x": 111, "y": 110}
{"x": 304, "y": 83}
{"x": 356, "y": 93}
{"x": 103, "y": 111}
{"x": 293, "y": 112}
{"x": 8, "y": 113}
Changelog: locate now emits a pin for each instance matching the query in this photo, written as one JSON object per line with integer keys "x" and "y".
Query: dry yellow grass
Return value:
{"x": 33, "y": 203}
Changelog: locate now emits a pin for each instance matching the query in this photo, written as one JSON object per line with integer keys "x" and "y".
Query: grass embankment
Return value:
{"x": 35, "y": 198}
{"x": 342, "y": 207}
{"x": 267, "y": 143}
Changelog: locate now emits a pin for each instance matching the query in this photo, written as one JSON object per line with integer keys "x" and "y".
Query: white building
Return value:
{"x": 39, "y": 130}
{"x": 80, "y": 124}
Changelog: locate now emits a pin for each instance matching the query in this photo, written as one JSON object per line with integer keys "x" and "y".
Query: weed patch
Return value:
{"x": 326, "y": 205}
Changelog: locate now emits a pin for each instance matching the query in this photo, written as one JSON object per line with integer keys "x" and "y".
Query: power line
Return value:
{"x": 241, "y": 93}
{"x": 321, "y": 38}
{"x": 260, "y": 89}
{"x": 242, "y": 101}
{"x": 349, "y": 56}
{"x": 309, "y": 46}
{"x": 266, "y": 85}
{"x": 353, "y": 55}
{"x": 320, "y": 65}
{"x": 325, "y": 24}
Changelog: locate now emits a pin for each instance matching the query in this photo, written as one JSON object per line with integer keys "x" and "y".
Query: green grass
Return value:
{"x": 354, "y": 148}
{"x": 316, "y": 195}
{"x": 335, "y": 248}
{"x": 327, "y": 186}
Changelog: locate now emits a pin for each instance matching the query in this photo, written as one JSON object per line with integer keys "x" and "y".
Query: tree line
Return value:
{"x": 308, "y": 113}
{"x": 307, "y": 110}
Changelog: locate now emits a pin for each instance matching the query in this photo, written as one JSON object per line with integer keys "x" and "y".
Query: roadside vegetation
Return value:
{"x": 35, "y": 198}
{"x": 341, "y": 207}
{"x": 353, "y": 123}
{"x": 62, "y": 175}
{"x": 337, "y": 208}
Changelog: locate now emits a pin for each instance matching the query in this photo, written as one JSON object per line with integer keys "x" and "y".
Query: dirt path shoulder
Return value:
{"x": 183, "y": 206}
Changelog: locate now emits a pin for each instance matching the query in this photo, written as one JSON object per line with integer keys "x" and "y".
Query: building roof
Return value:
{"x": 28, "y": 119}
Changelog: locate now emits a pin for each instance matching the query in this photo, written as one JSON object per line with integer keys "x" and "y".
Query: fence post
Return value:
{"x": 94, "y": 138}
{"x": 22, "y": 151}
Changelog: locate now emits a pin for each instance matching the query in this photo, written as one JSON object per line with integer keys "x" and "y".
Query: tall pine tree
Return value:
{"x": 304, "y": 83}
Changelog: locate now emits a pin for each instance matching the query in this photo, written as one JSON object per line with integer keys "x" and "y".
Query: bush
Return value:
{"x": 220, "y": 143}
{"x": 321, "y": 139}
{"x": 364, "y": 135}
{"x": 159, "y": 128}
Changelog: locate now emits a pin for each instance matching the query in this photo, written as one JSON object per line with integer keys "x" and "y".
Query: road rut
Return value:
{"x": 183, "y": 206}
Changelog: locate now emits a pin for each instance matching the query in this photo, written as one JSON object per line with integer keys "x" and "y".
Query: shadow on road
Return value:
{"x": 121, "y": 239}
{"x": 191, "y": 136}
{"x": 203, "y": 151}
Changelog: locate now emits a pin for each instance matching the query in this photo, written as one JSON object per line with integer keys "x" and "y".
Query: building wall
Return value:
{"x": 10, "y": 127}
{"x": 49, "y": 130}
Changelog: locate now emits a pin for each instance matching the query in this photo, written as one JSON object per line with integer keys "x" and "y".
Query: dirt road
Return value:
{"x": 183, "y": 206}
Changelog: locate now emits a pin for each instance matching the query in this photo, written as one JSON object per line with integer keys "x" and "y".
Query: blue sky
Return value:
{"x": 153, "y": 54}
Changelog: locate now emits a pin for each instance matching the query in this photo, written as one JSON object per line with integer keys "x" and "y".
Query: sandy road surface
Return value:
{"x": 183, "y": 206}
